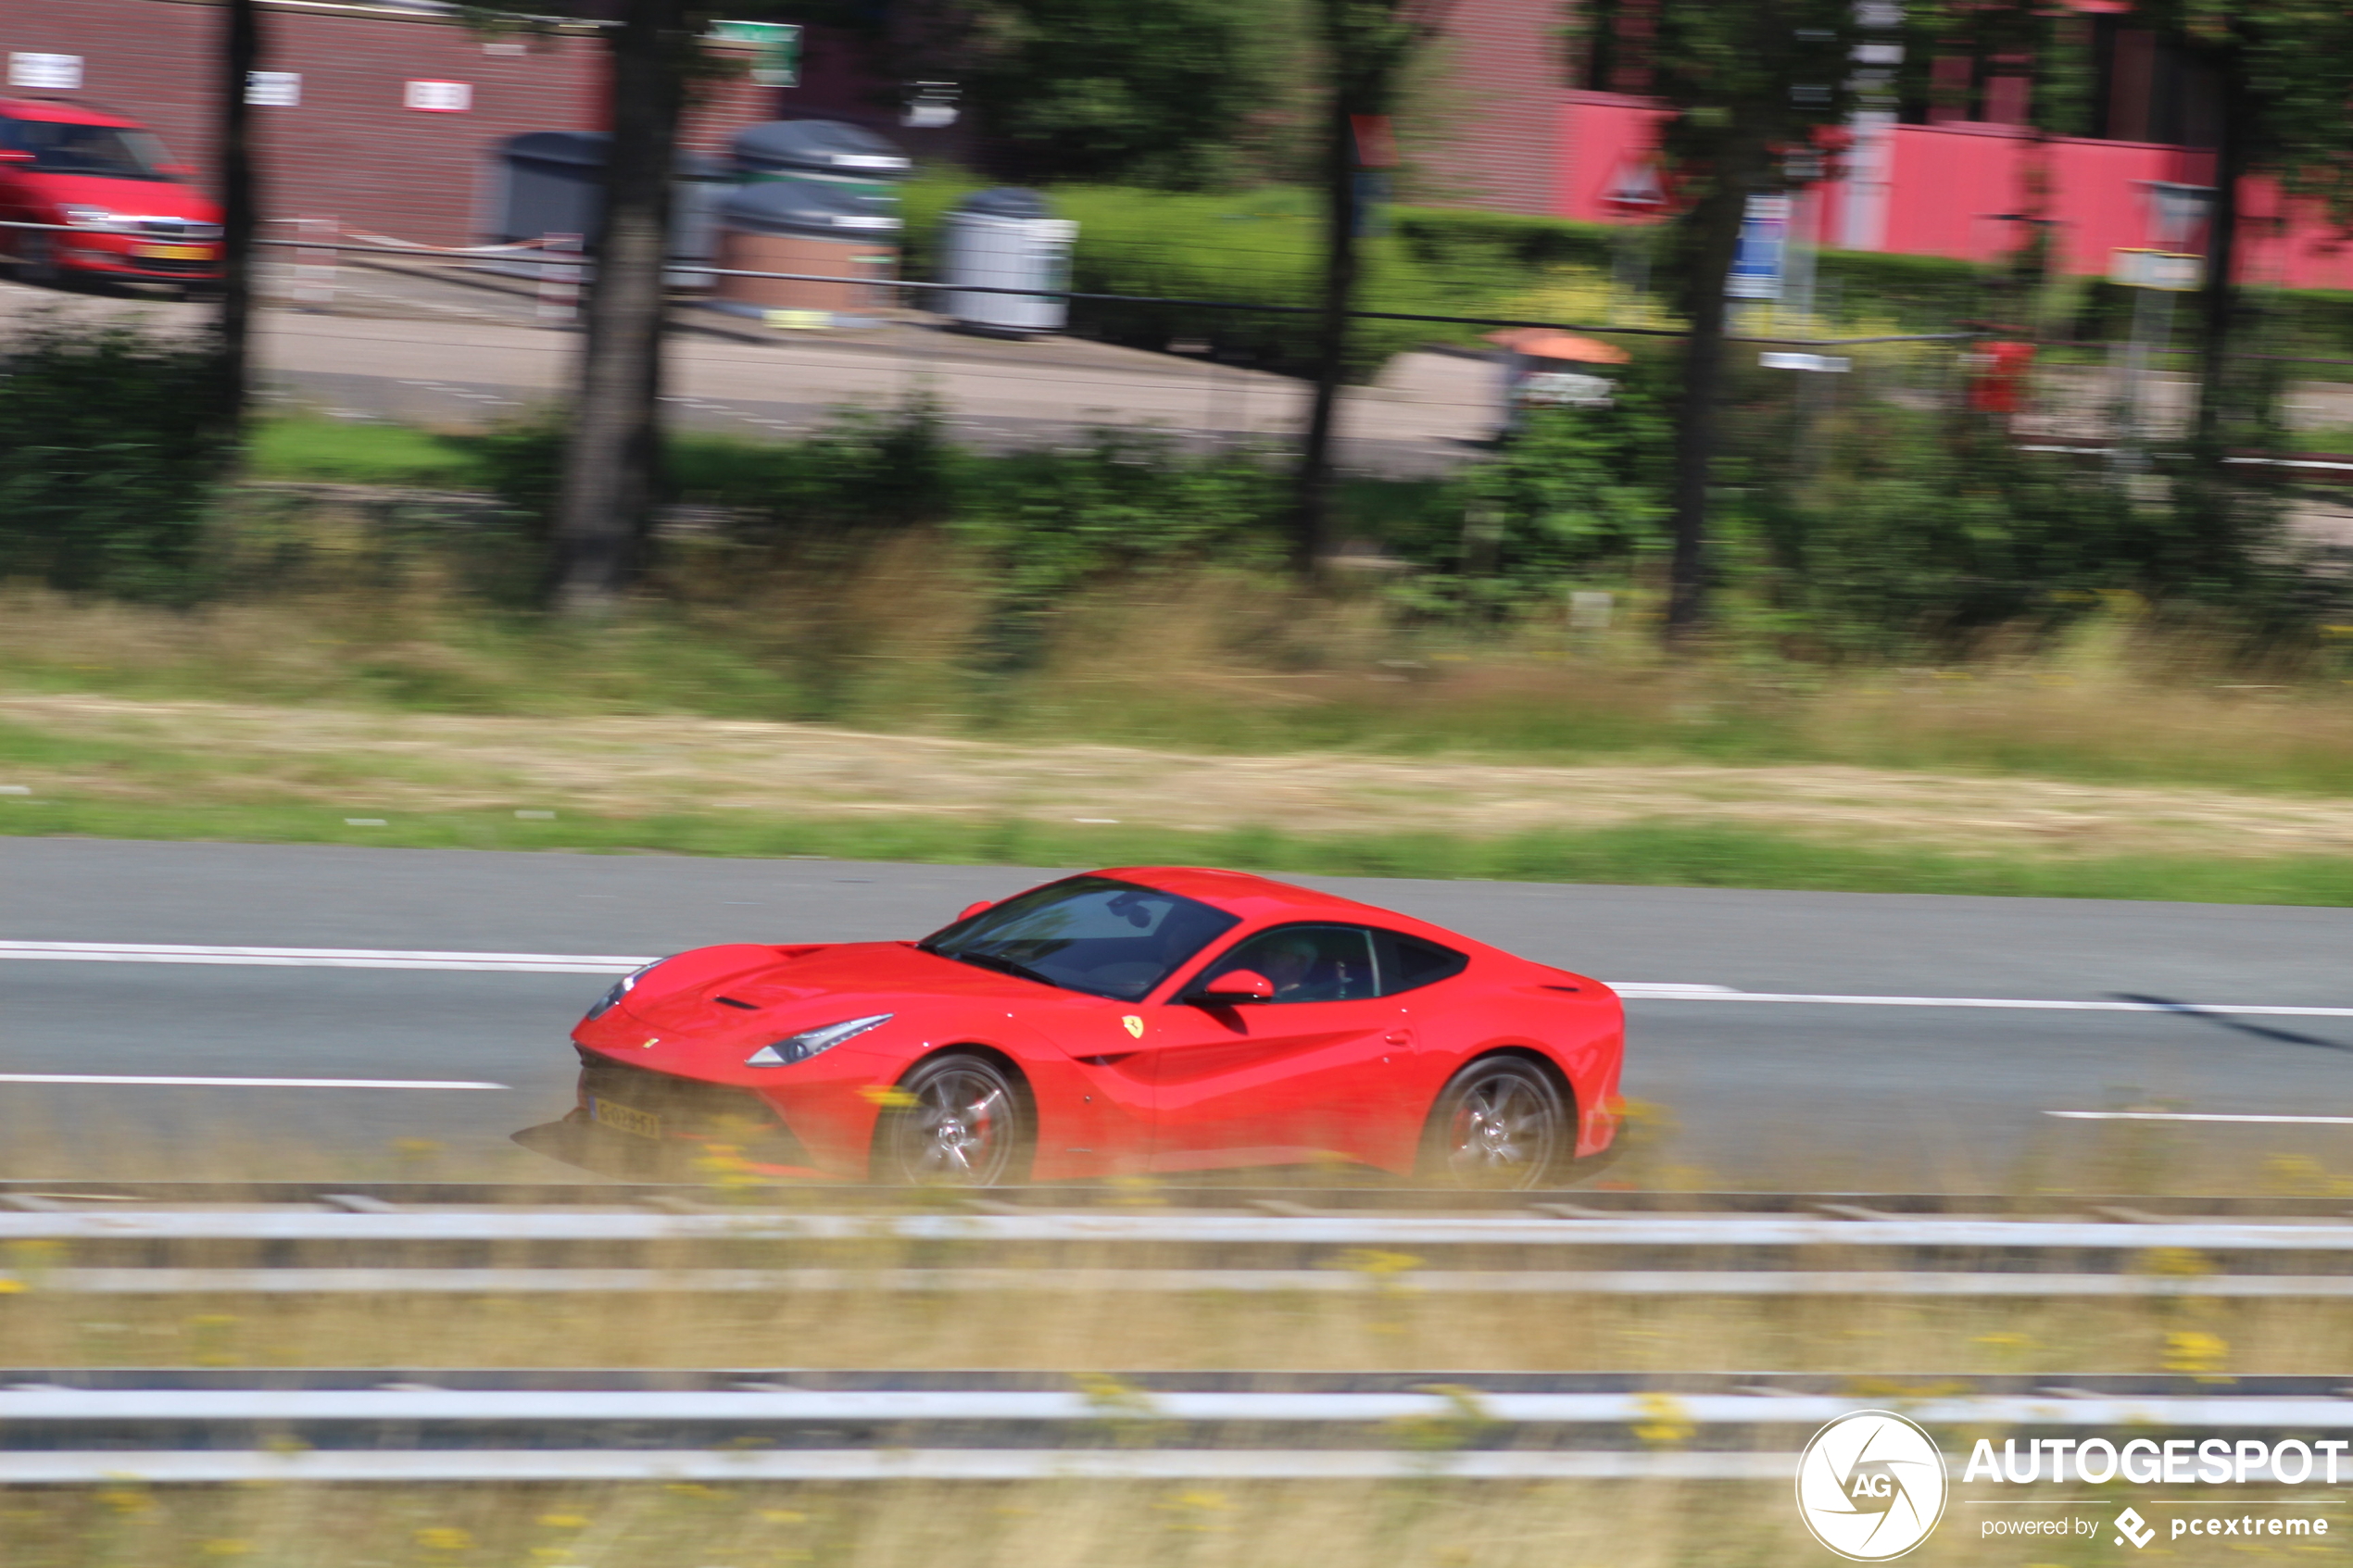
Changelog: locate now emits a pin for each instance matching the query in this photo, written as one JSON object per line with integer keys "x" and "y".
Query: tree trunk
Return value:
{"x": 612, "y": 460}
{"x": 1712, "y": 237}
{"x": 240, "y": 56}
{"x": 1311, "y": 541}
{"x": 2218, "y": 292}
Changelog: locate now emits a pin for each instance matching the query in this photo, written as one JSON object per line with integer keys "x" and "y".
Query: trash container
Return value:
{"x": 823, "y": 230}
{"x": 552, "y": 182}
{"x": 824, "y": 150}
{"x": 1006, "y": 238}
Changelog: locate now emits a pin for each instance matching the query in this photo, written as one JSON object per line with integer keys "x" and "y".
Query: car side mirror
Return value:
{"x": 1238, "y": 985}
{"x": 971, "y": 909}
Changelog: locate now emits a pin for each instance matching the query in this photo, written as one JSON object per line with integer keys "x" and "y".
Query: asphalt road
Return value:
{"x": 1807, "y": 1096}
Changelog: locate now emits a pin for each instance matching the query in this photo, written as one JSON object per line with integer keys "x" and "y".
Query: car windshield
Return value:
{"x": 111, "y": 152}
{"x": 1092, "y": 933}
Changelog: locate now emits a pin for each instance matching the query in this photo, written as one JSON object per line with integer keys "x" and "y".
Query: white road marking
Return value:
{"x": 2194, "y": 1116}
{"x": 602, "y": 963}
{"x": 174, "y": 1083}
{"x": 1645, "y": 991}
{"x": 322, "y": 958}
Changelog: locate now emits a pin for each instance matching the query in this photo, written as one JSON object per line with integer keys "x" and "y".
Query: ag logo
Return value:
{"x": 1870, "y": 1485}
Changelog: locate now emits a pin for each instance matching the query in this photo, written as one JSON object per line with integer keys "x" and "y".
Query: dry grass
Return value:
{"x": 1430, "y": 1523}
{"x": 123, "y": 750}
{"x": 1388, "y": 1324}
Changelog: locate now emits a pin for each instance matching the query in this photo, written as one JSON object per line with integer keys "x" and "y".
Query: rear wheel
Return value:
{"x": 964, "y": 1121}
{"x": 1501, "y": 1123}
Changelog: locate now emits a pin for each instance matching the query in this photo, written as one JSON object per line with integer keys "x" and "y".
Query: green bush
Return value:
{"x": 1922, "y": 293}
{"x": 1570, "y": 494}
{"x": 1040, "y": 522}
{"x": 108, "y": 457}
{"x": 1903, "y": 527}
{"x": 1259, "y": 247}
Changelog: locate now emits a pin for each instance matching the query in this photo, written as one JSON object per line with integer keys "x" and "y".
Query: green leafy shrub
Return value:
{"x": 1909, "y": 529}
{"x": 1259, "y": 247}
{"x": 1572, "y": 493}
{"x": 1127, "y": 503}
{"x": 108, "y": 457}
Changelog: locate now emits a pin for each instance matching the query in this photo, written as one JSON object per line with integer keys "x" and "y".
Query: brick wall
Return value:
{"x": 1494, "y": 122}
{"x": 349, "y": 150}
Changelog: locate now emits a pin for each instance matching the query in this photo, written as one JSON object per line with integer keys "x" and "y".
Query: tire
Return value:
{"x": 967, "y": 1123}
{"x": 1501, "y": 1122}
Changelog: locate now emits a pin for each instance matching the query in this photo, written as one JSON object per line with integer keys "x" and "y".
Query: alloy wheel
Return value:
{"x": 1504, "y": 1128}
{"x": 965, "y": 1127}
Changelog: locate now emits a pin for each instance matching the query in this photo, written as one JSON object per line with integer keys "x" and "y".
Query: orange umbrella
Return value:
{"x": 1541, "y": 343}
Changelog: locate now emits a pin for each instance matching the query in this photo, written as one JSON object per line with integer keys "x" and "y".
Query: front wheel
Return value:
{"x": 1501, "y": 1122}
{"x": 960, "y": 1120}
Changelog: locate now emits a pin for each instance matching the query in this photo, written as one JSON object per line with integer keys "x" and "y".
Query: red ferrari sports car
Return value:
{"x": 1161, "y": 1019}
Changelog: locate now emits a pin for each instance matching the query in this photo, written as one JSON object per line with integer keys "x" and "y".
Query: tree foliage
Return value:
{"x": 1748, "y": 84}
{"x": 1100, "y": 90}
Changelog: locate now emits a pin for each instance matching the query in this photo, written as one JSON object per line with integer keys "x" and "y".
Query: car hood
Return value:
{"x": 775, "y": 990}
{"x": 133, "y": 198}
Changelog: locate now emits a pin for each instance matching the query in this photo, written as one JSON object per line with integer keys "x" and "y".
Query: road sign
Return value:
{"x": 1757, "y": 268}
{"x": 1634, "y": 189}
{"x": 2174, "y": 271}
{"x": 775, "y": 49}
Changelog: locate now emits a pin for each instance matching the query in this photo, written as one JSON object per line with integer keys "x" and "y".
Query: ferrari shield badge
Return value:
{"x": 1135, "y": 1025}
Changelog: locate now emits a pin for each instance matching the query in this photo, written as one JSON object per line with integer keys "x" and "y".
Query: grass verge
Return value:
{"x": 1663, "y": 854}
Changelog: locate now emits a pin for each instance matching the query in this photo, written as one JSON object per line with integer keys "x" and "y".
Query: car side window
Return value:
{"x": 1308, "y": 963}
{"x": 1407, "y": 963}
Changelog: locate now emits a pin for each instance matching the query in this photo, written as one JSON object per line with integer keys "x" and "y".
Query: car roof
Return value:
{"x": 66, "y": 111}
{"x": 1262, "y": 899}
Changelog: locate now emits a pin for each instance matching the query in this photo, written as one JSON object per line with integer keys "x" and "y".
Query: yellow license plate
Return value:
{"x": 175, "y": 253}
{"x": 624, "y": 1118}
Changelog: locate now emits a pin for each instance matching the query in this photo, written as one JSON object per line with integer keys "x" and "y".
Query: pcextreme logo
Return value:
{"x": 1870, "y": 1485}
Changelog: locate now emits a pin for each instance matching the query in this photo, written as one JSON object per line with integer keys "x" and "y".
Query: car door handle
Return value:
{"x": 1398, "y": 1037}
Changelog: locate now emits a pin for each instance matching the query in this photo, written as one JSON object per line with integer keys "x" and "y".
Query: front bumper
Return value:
{"x": 132, "y": 255}
{"x": 647, "y": 1119}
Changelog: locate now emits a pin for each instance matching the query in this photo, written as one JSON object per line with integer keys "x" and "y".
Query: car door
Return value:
{"x": 1301, "y": 1075}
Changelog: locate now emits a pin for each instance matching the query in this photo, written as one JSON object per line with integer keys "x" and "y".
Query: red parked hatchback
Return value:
{"x": 123, "y": 207}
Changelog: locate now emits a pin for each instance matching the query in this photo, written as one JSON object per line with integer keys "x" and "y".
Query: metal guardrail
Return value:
{"x": 1748, "y": 1232}
{"x": 1206, "y": 1241}
{"x": 1389, "y": 1279}
{"x": 72, "y": 1427}
{"x": 50, "y": 1196}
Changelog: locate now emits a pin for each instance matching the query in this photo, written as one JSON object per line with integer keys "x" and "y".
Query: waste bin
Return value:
{"x": 824, "y": 150}
{"x": 1006, "y": 238}
{"x": 822, "y": 231}
{"x": 552, "y": 182}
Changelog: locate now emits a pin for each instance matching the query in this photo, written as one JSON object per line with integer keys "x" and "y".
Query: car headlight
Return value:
{"x": 809, "y": 1042}
{"x": 85, "y": 217}
{"x": 620, "y": 989}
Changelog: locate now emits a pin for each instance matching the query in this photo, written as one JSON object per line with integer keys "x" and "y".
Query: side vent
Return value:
{"x": 731, "y": 1002}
